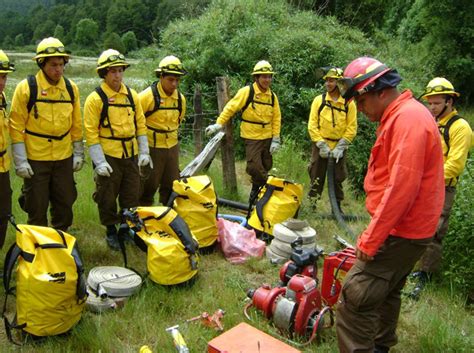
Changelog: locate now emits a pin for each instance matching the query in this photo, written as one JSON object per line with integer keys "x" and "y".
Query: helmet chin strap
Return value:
{"x": 443, "y": 111}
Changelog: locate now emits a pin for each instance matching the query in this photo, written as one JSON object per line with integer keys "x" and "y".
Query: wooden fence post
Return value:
{"x": 198, "y": 116}
{"x": 227, "y": 144}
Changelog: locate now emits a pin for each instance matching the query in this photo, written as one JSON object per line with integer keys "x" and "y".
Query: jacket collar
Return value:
{"x": 163, "y": 94}
{"x": 110, "y": 92}
{"x": 393, "y": 106}
{"x": 44, "y": 83}
{"x": 444, "y": 120}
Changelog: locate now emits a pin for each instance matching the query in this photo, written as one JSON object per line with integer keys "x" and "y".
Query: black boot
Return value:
{"x": 422, "y": 278}
{"x": 112, "y": 238}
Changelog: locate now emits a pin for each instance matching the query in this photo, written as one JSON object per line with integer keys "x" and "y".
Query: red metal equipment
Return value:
{"x": 335, "y": 267}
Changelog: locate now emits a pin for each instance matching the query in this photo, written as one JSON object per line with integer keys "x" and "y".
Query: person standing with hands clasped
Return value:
{"x": 405, "y": 192}
{"x": 6, "y": 67}
{"x": 260, "y": 126}
{"x": 456, "y": 139}
{"x": 332, "y": 126}
{"x": 46, "y": 133}
{"x": 115, "y": 133}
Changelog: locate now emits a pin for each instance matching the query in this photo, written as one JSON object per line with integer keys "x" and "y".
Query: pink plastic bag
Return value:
{"x": 237, "y": 242}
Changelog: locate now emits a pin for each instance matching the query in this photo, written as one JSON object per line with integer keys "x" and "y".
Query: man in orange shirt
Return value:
{"x": 405, "y": 191}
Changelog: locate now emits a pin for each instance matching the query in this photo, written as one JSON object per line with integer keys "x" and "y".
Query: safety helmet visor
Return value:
{"x": 6, "y": 67}
{"x": 347, "y": 85}
{"x": 175, "y": 69}
{"x": 116, "y": 59}
{"x": 439, "y": 89}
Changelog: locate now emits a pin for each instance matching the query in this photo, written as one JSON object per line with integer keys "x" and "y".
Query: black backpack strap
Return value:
{"x": 104, "y": 118}
{"x": 69, "y": 89}
{"x": 132, "y": 104}
{"x": 156, "y": 99}
{"x": 181, "y": 229}
{"x": 33, "y": 85}
{"x": 446, "y": 131}
{"x": 321, "y": 107}
{"x": 3, "y": 104}
{"x": 81, "y": 286}
{"x": 249, "y": 98}
{"x": 180, "y": 106}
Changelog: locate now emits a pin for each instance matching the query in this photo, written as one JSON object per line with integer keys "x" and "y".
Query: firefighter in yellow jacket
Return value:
{"x": 456, "y": 140}
{"x": 164, "y": 108}
{"x": 46, "y": 134}
{"x": 260, "y": 125}
{"x": 332, "y": 126}
{"x": 115, "y": 134}
{"x": 5, "y": 189}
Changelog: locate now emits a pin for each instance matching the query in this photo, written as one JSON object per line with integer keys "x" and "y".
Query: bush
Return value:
{"x": 19, "y": 40}
{"x": 86, "y": 32}
{"x": 113, "y": 41}
{"x": 129, "y": 40}
{"x": 59, "y": 32}
{"x": 458, "y": 251}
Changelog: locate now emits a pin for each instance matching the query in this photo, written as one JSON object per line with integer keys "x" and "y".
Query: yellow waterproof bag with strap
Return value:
{"x": 50, "y": 283}
{"x": 171, "y": 248}
{"x": 278, "y": 200}
{"x": 195, "y": 200}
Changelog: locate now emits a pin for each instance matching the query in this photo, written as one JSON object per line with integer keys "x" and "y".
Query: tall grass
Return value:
{"x": 437, "y": 323}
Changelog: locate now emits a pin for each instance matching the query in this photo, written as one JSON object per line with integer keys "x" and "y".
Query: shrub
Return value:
{"x": 129, "y": 40}
{"x": 113, "y": 41}
{"x": 86, "y": 32}
{"x": 19, "y": 40}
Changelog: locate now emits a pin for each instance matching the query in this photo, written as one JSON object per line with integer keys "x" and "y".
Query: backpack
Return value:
{"x": 3, "y": 104}
{"x": 33, "y": 86}
{"x": 445, "y": 132}
{"x": 194, "y": 199}
{"x": 325, "y": 104}
{"x": 50, "y": 283}
{"x": 278, "y": 200}
{"x": 157, "y": 99}
{"x": 171, "y": 248}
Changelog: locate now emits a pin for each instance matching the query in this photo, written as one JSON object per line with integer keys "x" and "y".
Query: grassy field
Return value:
{"x": 439, "y": 322}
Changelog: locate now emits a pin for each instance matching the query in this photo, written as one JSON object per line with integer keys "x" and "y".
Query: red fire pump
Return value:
{"x": 298, "y": 307}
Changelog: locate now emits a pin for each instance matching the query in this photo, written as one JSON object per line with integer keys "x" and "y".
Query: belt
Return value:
{"x": 255, "y": 122}
{"x": 49, "y": 137}
{"x": 123, "y": 140}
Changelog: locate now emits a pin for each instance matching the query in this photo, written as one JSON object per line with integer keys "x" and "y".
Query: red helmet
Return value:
{"x": 360, "y": 75}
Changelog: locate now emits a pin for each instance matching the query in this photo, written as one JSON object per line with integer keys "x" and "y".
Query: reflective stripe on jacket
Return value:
{"x": 404, "y": 181}
{"x": 163, "y": 124}
{"x": 62, "y": 121}
{"x": 332, "y": 123}
{"x": 4, "y": 157}
{"x": 262, "y": 120}
{"x": 460, "y": 140}
{"x": 122, "y": 122}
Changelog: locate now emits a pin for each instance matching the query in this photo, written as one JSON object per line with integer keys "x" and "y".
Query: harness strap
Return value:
{"x": 157, "y": 101}
{"x": 445, "y": 132}
{"x": 255, "y": 122}
{"x": 250, "y": 100}
{"x": 2, "y": 153}
{"x": 33, "y": 86}
{"x": 49, "y": 137}
{"x": 325, "y": 104}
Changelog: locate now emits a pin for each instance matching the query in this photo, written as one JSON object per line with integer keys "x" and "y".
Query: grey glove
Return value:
{"x": 77, "y": 155}
{"x": 144, "y": 158}
{"x": 324, "y": 149}
{"x": 213, "y": 129}
{"x": 22, "y": 167}
{"x": 338, "y": 151}
{"x": 102, "y": 168}
{"x": 276, "y": 144}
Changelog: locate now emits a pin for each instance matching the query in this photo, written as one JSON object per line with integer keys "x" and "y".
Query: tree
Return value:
{"x": 129, "y": 41}
{"x": 59, "y": 32}
{"x": 86, "y": 32}
{"x": 19, "y": 40}
{"x": 113, "y": 41}
{"x": 8, "y": 42}
{"x": 45, "y": 29}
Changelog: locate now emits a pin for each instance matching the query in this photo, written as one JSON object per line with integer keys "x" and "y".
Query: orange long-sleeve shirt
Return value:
{"x": 405, "y": 180}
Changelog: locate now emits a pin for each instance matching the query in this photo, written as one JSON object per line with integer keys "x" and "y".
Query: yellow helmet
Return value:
{"x": 51, "y": 47}
{"x": 171, "y": 65}
{"x": 111, "y": 58}
{"x": 262, "y": 67}
{"x": 439, "y": 85}
{"x": 333, "y": 72}
{"x": 5, "y": 65}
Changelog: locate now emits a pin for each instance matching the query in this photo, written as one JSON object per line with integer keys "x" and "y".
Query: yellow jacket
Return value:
{"x": 332, "y": 124}
{"x": 122, "y": 122}
{"x": 259, "y": 121}
{"x": 54, "y": 119}
{"x": 460, "y": 141}
{"x": 4, "y": 157}
{"x": 163, "y": 124}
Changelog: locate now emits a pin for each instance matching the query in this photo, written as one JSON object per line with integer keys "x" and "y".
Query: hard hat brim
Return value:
{"x": 116, "y": 64}
{"x": 39, "y": 56}
{"x": 449, "y": 93}
{"x": 263, "y": 73}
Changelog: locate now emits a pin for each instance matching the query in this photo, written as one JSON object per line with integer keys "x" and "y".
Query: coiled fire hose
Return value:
{"x": 107, "y": 282}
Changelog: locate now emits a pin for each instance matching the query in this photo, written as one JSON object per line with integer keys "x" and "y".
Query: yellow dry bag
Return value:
{"x": 50, "y": 283}
{"x": 170, "y": 246}
{"x": 278, "y": 200}
{"x": 195, "y": 200}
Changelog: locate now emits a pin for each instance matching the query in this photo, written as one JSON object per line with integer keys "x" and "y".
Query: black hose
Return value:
{"x": 233, "y": 204}
{"x": 332, "y": 199}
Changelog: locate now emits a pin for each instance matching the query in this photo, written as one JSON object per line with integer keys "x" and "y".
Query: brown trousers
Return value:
{"x": 52, "y": 183}
{"x": 165, "y": 171}
{"x": 369, "y": 306}
{"x": 317, "y": 174}
{"x": 5, "y": 205}
{"x": 431, "y": 259}
{"x": 259, "y": 160}
{"x": 124, "y": 183}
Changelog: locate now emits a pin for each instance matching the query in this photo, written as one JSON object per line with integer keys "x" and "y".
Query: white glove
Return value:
{"x": 22, "y": 167}
{"x": 102, "y": 168}
{"x": 144, "y": 158}
{"x": 276, "y": 144}
{"x": 213, "y": 129}
{"x": 324, "y": 149}
{"x": 338, "y": 151}
{"x": 77, "y": 155}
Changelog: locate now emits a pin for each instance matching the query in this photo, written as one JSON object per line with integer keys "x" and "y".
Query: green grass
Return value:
{"x": 439, "y": 322}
